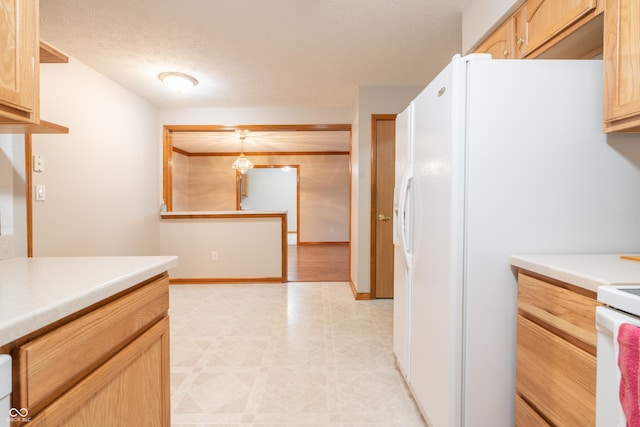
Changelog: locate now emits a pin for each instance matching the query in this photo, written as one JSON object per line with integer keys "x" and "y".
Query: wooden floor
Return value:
{"x": 318, "y": 263}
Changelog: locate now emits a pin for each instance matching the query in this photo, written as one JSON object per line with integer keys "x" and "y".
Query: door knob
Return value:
{"x": 382, "y": 217}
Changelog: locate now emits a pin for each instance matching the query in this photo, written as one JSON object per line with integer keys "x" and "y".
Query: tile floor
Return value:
{"x": 297, "y": 354}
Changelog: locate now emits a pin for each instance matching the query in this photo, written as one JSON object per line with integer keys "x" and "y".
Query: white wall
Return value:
{"x": 102, "y": 179}
{"x": 371, "y": 100}
{"x": 481, "y": 17}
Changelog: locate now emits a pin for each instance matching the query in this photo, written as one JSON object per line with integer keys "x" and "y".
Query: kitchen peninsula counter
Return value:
{"x": 588, "y": 271}
{"x": 36, "y": 292}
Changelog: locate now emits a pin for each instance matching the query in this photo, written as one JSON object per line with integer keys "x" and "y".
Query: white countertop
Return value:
{"x": 588, "y": 271}
{"x": 34, "y": 292}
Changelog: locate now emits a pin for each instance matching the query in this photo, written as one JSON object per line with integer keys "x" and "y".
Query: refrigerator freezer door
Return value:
{"x": 436, "y": 341}
{"x": 401, "y": 271}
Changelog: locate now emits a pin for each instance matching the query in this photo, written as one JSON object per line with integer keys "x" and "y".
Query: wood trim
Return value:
{"x": 51, "y": 55}
{"x": 185, "y": 153}
{"x": 167, "y": 171}
{"x": 28, "y": 154}
{"x": 214, "y": 215}
{"x": 374, "y": 205}
{"x": 261, "y": 153}
{"x": 285, "y": 249}
{"x": 362, "y": 296}
{"x": 223, "y": 281}
{"x": 323, "y": 243}
{"x": 259, "y": 128}
{"x": 14, "y": 127}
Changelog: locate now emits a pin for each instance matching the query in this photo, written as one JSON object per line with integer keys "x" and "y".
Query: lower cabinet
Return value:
{"x": 130, "y": 389}
{"x": 556, "y": 353}
{"x": 108, "y": 366}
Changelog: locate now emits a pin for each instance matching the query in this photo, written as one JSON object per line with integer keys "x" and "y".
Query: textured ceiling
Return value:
{"x": 248, "y": 53}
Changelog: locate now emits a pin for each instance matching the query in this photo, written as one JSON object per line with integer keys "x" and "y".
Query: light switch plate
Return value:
{"x": 41, "y": 193}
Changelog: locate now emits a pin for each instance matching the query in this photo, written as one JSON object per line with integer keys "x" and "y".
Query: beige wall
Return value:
{"x": 102, "y": 179}
{"x": 247, "y": 248}
{"x": 371, "y": 100}
{"x": 324, "y": 190}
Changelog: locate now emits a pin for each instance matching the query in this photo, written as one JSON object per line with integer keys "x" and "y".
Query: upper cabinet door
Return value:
{"x": 501, "y": 43}
{"x": 622, "y": 66}
{"x": 544, "y": 19}
{"x": 19, "y": 59}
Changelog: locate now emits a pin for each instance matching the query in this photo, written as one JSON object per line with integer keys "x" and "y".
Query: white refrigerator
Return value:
{"x": 496, "y": 157}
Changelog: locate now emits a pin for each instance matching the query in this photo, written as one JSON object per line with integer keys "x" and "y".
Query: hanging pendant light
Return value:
{"x": 242, "y": 164}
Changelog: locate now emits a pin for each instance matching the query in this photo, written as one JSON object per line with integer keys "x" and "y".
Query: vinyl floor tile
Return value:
{"x": 296, "y": 354}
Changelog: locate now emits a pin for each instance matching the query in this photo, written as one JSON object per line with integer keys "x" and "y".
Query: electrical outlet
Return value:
{"x": 331, "y": 230}
{"x": 214, "y": 256}
{"x": 38, "y": 163}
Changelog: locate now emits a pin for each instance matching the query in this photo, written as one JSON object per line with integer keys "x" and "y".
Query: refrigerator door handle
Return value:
{"x": 402, "y": 224}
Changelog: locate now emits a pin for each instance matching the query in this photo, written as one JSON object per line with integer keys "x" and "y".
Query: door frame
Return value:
{"x": 374, "y": 202}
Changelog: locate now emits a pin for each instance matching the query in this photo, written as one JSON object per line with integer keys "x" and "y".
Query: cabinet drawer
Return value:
{"x": 567, "y": 313}
{"x": 556, "y": 377}
{"x": 526, "y": 416}
{"x": 58, "y": 359}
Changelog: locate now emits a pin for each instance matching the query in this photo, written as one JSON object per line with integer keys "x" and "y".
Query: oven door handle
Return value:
{"x": 607, "y": 319}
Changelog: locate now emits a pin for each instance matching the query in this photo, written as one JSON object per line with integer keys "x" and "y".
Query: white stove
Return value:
{"x": 622, "y": 305}
{"x": 623, "y": 298}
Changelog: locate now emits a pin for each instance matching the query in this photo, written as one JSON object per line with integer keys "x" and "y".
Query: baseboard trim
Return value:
{"x": 359, "y": 296}
{"x": 222, "y": 281}
{"x": 323, "y": 243}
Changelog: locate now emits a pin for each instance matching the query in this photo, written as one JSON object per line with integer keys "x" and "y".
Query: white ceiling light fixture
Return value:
{"x": 242, "y": 164}
{"x": 178, "y": 82}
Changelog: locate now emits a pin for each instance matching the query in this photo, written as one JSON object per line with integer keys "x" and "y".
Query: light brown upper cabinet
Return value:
{"x": 19, "y": 66}
{"x": 501, "y": 43}
{"x": 622, "y": 66}
{"x": 508, "y": 40}
{"x": 560, "y": 29}
{"x": 546, "y": 19}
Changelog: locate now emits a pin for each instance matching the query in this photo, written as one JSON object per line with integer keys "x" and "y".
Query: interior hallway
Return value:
{"x": 298, "y": 354}
{"x": 318, "y": 263}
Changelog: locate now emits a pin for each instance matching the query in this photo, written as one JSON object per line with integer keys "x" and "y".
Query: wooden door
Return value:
{"x": 383, "y": 135}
